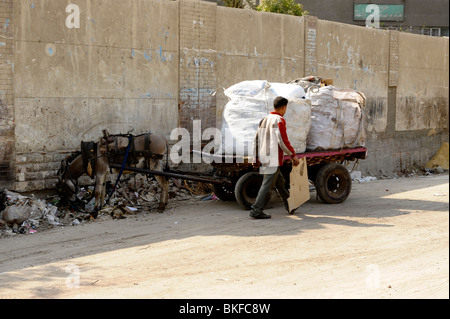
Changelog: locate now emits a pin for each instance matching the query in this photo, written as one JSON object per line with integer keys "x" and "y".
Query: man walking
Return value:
{"x": 270, "y": 142}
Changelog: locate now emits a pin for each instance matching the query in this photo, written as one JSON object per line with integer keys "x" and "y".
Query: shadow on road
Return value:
{"x": 371, "y": 205}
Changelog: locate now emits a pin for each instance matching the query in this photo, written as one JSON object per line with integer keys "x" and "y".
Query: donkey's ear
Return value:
{"x": 105, "y": 134}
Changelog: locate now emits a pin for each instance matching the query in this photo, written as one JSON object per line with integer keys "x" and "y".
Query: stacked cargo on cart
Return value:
{"x": 336, "y": 115}
{"x": 336, "y": 119}
{"x": 324, "y": 125}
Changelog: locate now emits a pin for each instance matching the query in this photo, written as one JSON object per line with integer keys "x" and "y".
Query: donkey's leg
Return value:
{"x": 100, "y": 191}
{"x": 163, "y": 184}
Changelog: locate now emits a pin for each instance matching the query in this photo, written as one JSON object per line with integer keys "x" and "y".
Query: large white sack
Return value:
{"x": 336, "y": 118}
{"x": 253, "y": 88}
{"x": 246, "y": 88}
{"x": 249, "y": 102}
{"x": 289, "y": 91}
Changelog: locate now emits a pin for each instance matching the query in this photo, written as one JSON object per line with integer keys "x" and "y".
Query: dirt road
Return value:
{"x": 390, "y": 239}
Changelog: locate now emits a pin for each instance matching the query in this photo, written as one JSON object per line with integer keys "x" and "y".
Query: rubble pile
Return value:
{"x": 24, "y": 214}
{"x": 27, "y": 214}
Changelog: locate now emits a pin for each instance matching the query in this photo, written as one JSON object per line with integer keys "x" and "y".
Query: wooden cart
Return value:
{"x": 235, "y": 179}
{"x": 326, "y": 170}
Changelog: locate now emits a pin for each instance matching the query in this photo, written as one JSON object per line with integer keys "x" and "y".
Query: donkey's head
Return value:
{"x": 67, "y": 185}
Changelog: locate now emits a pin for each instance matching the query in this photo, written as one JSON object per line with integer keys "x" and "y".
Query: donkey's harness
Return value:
{"x": 129, "y": 154}
{"x": 115, "y": 153}
{"x": 110, "y": 148}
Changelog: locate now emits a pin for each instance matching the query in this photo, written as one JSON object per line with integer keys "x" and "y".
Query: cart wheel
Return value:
{"x": 225, "y": 191}
{"x": 247, "y": 188}
{"x": 333, "y": 183}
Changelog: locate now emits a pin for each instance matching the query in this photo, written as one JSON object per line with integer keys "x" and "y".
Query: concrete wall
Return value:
{"x": 118, "y": 71}
{"x": 153, "y": 65}
{"x": 7, "y": 137}
{"x": 357, "y": 58}
{"x": 256, "y": 45}
{"x": 197, "y": 63}
{"x": 422, "y": 91}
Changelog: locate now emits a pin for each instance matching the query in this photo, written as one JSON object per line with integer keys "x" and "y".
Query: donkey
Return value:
{"x": 145, "y": 151}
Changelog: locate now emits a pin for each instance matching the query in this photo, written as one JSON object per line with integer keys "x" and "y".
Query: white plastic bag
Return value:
{"x": 249, "y": 102}
{"x": 336, "y": 118}
{"x": 246, "y": 88}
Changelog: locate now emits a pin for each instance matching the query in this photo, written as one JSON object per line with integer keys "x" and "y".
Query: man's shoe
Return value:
{"x": 259, "y": 215}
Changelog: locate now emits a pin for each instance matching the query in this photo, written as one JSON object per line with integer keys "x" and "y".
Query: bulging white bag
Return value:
{"x": 249, "y": 102}
{"x": 336, "y": 118}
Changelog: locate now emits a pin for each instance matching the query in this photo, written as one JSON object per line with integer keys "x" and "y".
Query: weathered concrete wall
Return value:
{"x": 256, "y": 45}
{"x": 198, "y": 66}
{"x": 417, "y": 104}
{"x": 422, "y": 91}
{"x": 153, "y": 65}
{"x": 118, "y": 71}
{"x": 357, "y": 58}
{"x": 7, "y": 140}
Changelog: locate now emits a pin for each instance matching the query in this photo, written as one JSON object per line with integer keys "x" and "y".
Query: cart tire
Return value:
{"x": 247, "y": 188}
{"x": 225, "y": 192}
{"x": 333, "y": 183}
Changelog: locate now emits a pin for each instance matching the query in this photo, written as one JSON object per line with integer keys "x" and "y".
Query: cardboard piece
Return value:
{"x": 326, "y": 82}
{"x": 299, "y": 186}
{"x": 440, "y": 158}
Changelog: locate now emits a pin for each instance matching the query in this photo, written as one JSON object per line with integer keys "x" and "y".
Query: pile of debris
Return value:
{"x": 27, "y": 214}
{"x": 24, "y": 214}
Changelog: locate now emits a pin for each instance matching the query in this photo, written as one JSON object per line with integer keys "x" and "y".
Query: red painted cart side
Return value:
{"x": 332, "y": 156}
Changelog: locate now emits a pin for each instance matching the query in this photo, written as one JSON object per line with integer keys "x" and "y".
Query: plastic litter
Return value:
{"x": 367, "y": 179}
{"x": 210, "y": 197}
{"x": 50, "y": 214}
{"x": 75, "y": 222}
{"x": 24, "y": 214}
{"x": 16, "y": 215}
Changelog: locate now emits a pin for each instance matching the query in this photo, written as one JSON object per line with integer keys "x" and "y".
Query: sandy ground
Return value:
{"x": 390, "y": 239}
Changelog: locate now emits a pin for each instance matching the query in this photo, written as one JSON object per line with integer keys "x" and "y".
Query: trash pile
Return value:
{"x": 24, "y": 214}
{"x": 134, "y": 194}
